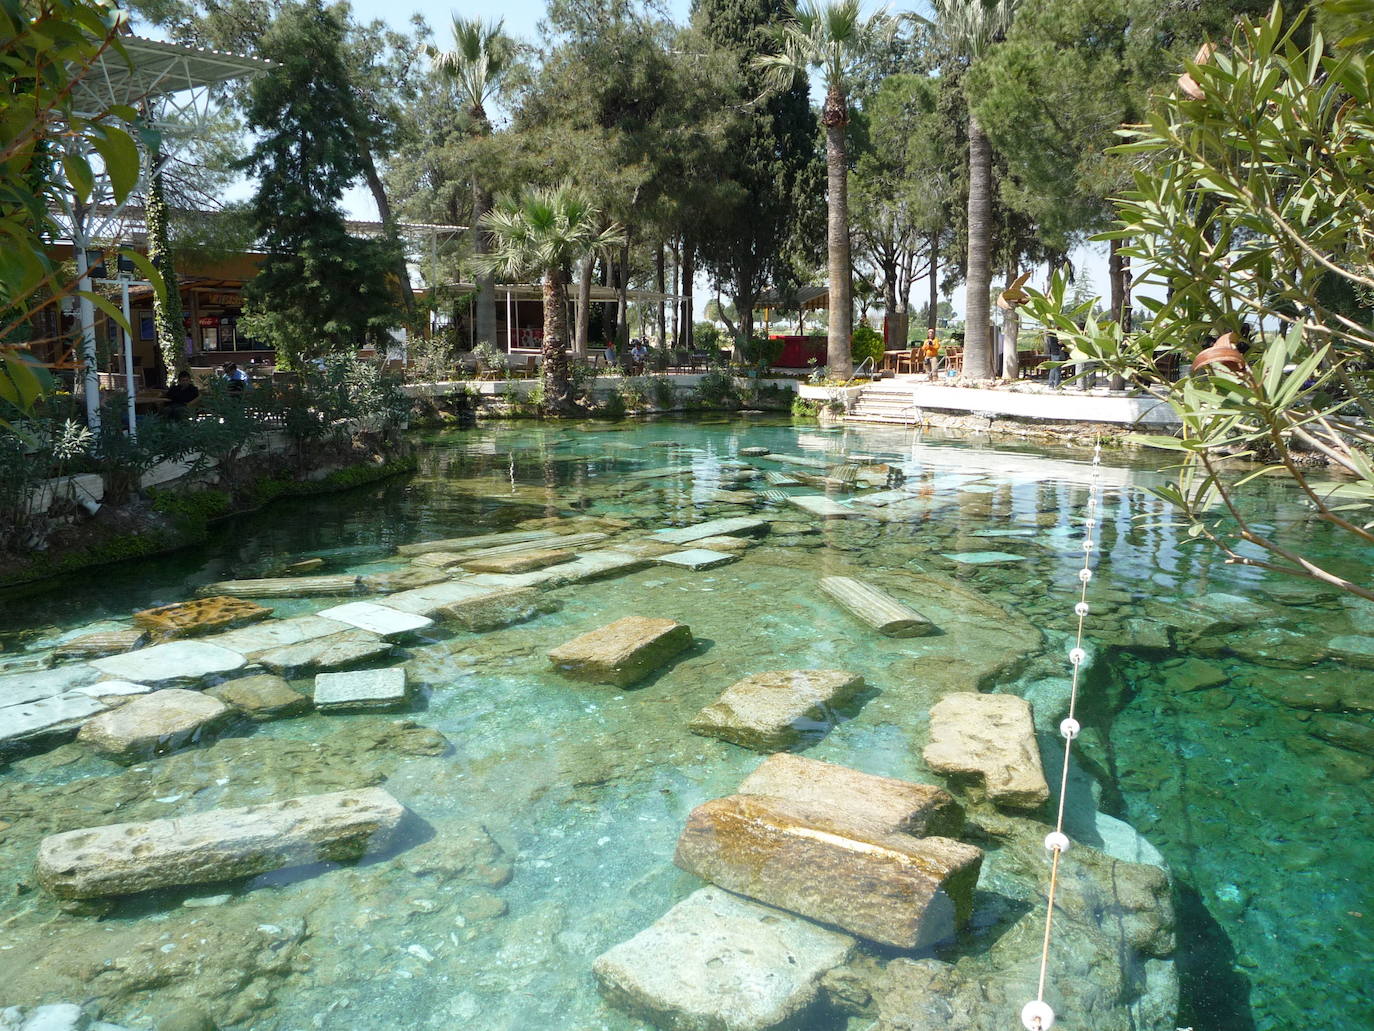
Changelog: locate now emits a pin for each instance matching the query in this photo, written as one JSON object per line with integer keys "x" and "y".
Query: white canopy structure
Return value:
{"x": 174, "y": 83}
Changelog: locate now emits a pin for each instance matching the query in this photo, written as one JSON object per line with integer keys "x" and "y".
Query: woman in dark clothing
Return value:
{"x": 181, "y": 396}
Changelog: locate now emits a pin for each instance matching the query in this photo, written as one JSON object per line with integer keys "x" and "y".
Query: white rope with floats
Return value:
{"x": 1037, "y": 1015}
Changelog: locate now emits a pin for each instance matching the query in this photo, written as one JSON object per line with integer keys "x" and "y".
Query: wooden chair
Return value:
{"x": 531, "y": 369}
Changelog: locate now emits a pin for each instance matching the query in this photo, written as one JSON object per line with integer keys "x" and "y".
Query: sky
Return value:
{"x": 522, "y": 18}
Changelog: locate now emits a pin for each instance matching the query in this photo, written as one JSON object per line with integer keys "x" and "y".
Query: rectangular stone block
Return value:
{"x": 989, "y": 737}
{"x": 124, "y": 858}
{"x": 170, "y": 663}
{"x": 497, "y": 609}
{"x": 818, "y": 505}
{"x": 253, "y": 640}
{"x": 366, "y": 689}
{"x": 284, "y": 587}
{"x": 153, "y": 724}
{"x": 349, "y": 647}
{"x": 486, "y": 540}
{"x": 520, "y": 562}
{"x": 884, "y": 805}
{"x": 713, "y": 528}
{"x": 599, "y": 565}
{"x": 779, "y": 709}
{"x": 718, "y": 961}
{"x": 199, "y": 616}
{"x": 622, "y": 652}
{"x": 94, "y": 646}
{"x": 697, "y": 558}
{"x": 427, "y": 601}
{"x": 39, "y": 717}
{"x": 888, "y": 888}
{"x": 382, "y": 620}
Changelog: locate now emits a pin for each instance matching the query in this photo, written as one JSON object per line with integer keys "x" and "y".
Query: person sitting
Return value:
{"x": 181, "y": 397}
{"x": 238, "y": 379}
{"x": 609, "y": 354}
{"x": 638, "y": 355}
{"x": 930, "y": 352}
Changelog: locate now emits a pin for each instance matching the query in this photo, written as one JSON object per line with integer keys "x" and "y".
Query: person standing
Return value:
{"x": 930, "y": 352}
{"x": 1055, "y": 353}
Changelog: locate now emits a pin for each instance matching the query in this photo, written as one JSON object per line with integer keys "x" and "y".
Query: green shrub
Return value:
{"x": 662, "y": 389}
{"x": 716, "y": 389}
{"x": 613, "y": 407}
{"x": 866, "y": 343}
{"x": 761, "y": 351}
{"x": 191, "y": 510}
{"x": 705, "y": 336}
{"x": 804, "y": 409}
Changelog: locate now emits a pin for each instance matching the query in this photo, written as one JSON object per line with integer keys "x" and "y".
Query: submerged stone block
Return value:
{"x": 497, "y": 608}
{"x": 262, "y": 697}
{"x": 713, "y": 528}
{"x": 253, "y": 640}
{"x": 697, "y": 558}
{"x": 888, "y": 888}
{"x": 622, "y": 652}
{"x": 876, "y": 608}
{"x": 990, "y": 737}
{"x": 370, "y": 689}
{"x": 717, "y": 962}
{"x": 94, "y": 646}
{"x": 486, "y": 540}
{"x": 284, "y": 587}
{"x": 153, "y": 724}
{"x": 326, "y": 654}
{"x": 882, "y": 805}
{"x": 382, "y": 620}
{"x": 519, "y": 562}
{"x": 173, "y": 662}
{"x": 51, "y": 715}
{"x": 200, "y": 616}
{"x": 780, "y": 709}
{"x": 124, "y": 858}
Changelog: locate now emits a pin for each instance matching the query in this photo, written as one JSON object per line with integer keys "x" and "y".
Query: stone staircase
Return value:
{"x": 886, "y": 401}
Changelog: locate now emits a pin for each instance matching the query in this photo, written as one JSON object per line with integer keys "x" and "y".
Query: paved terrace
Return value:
{"x": 905, "y": 398}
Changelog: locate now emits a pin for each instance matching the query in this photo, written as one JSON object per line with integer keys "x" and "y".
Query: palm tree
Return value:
{"x": 835, "y": 38}
{"x": 482, "y": 54}
{"x": 969, "y": 28}
{"x": 544, "y": 232}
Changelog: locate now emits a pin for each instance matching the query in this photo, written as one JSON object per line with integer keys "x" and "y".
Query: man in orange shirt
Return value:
{"x": 930, "y": 351}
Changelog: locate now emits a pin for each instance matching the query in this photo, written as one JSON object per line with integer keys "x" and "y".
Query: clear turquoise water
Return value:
{"x": 584, "y": 790}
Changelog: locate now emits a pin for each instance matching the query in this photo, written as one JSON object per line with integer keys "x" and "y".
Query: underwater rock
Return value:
{"x": 1232, "y": 608}
{"x": 713, "y": 528}
{"x": 45, "y": 717}
{"x": 402, "y": 580}
{"x": 364, "y": 689}
{"x": 261, "y": 697}
{"x": 599, "y": 565}
{"x": 622, "y": 652}
{"x": 45, "y": 683}
{"x": 284, "y": 587}
{"x": 1319, "y": 690}
{"x": 647, "y": 547}
{"x": 199, "y": 616}
{"x": 716, "y": 962}
{"x": 777, "y": 710}
{"x": 1356, "y": 649}
{"x": 401, "y": 737}
{"x": 253, "y": 640}
{"x": 326, "y": 654}
{"x": 697, "y": 558}
{"x": 1351, "y": 735}
{"x": 520, "y": 562}
{"x": 497, "y": 608}
{"x": 58, "y": 1016}
{"x": 486, "y": 540}
{"x": 819, "y": 505}
{"x": 753, "y": 452}
{"x": 95, "y": 646}
{"x": 889, "y": 888}
{"x": 1277, "y": 646}
{"x": 382, "y": 620}
{"x": 731, "y": 544}
{"x": 876, "y": 608}
{"x": 305, "y": 565}
{"x": 428, "y": 601}
{"x": 990, "y": 737}
{"x": 170, "y": 663}
{"x": 882, "y": 805}
{"x": 1196, "y": 675}
{"x": 221, "y": 844}
{"x": 153, "y": 724}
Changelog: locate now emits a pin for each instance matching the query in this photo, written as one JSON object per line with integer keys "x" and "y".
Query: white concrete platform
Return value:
{"x": 1066, "y": 405}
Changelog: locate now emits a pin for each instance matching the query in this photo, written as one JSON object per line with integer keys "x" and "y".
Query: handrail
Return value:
{"x": 872, "y": 368}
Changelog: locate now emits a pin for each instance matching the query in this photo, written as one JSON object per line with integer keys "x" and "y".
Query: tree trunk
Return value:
{"x": 584, "y": 306}
{"x": 622, "y": 317}
{"x": 557, "y": 386}
{"x": 835, "y": 118}
{"x": 486, "y": 283}
{"x": 660, "y": 283}
{"x": 689, "y": 273}
{"x": 977, "y": 347}
{"x": 1011, "y": 332}
{"x": 933, "y": 318}
{"x": 374, "y": 183}
{"x": 677, "y": 290}
{"x": 1118, "y": 297}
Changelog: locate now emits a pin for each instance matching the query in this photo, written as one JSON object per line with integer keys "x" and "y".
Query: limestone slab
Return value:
{"x": 714, "y": 528}
{"x": 16, "y": 688}
{"x": 199, "y": 616}
{"x": 599, "y": 565}
{"x": 252, "y": 641}
{"x": 262, "y": 697}
{"x": 94, "y": 646}
{"x": 1356, "y": 649}
{"x": 983, "y": 558}
{"x": 734, "y": 497}
{"x": 349, "y": 647}
{"x": 497, "y": 609}
{"x": 719, "y": 962}
{"x": 730, "y": 544}
{"x": 990, "y": 737}
{"x": 153, "y": 724}
{"x": 888, "y": 888}
{"x": 622, "y": 652}
{"x": 697, "y": 558}
{"x": 883, "y": 804}
{"x": 54, "y": 714}
{"x": 538, "y": 578}
{"x": 520, "y": 562}
{"x": 753, "y": 452}
{"x": 284, "y": 587}
{"x": 402, "y": 579}
{"x": 1232, "y": 608}
{"x": 111, "y": 689}
{"x": 875, "y": 607}
{"x": 777, "y": 710}
{"x": 173, "y": 662}
{"x": 363, "y": 689}
{"x": 382, "y": 620}
{"x": 486, "y": 540}
{"x": 819, "y": 505}
{"x": 124, "y": 858}
{"x": 426, "y": 601}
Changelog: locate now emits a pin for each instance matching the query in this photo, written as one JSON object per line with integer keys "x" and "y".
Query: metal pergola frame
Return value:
{"x": 174, "y": 84}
